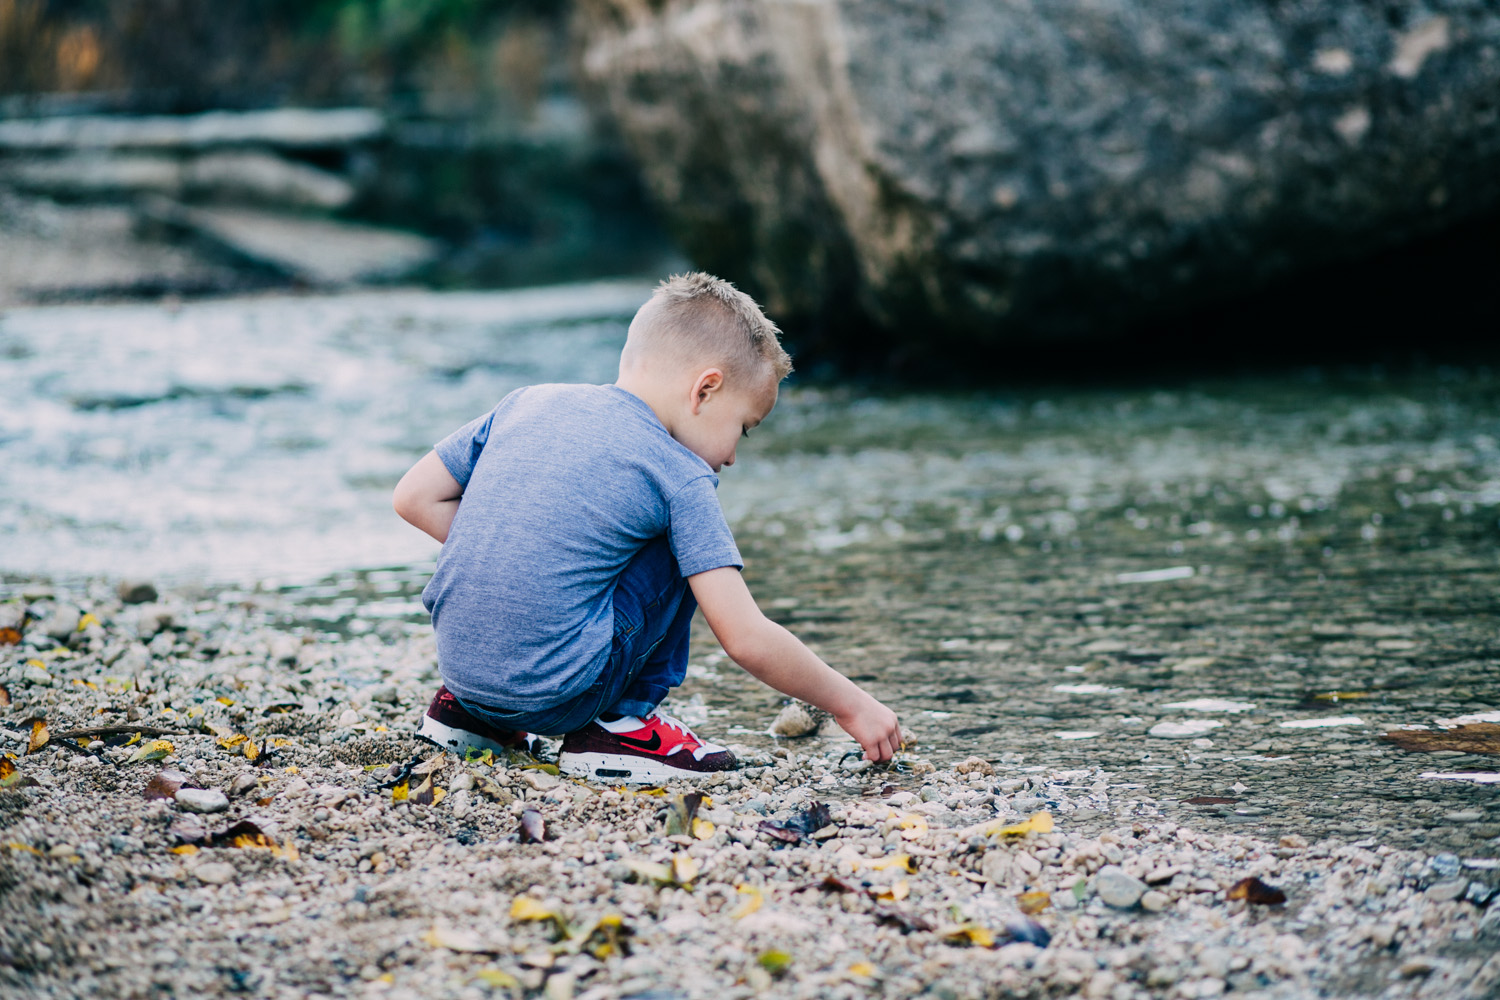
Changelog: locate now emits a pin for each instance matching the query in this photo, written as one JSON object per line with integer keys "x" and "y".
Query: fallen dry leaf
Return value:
{"x": 426, "y": 794}
{"x": 39, "y": 736}
{"x": 533, "y": 830}
{"x": 166, "y": 784}
{"x": 9, "y": 636}
{"x": 685, "y": 868}
{"x": 155, "y": 750}
{"x": 748, "y": 905}
{"x": 1033, "y": 902}
{"x": 4, "y": 696}
{"x": 681, "y": 812}
{"x": 1477, "y": 737}
{"x": 1253, "y": 890}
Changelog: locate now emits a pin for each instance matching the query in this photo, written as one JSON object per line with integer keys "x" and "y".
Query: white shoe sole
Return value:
{"x": 455, "y": 739}
{"x": 613, "y": 768}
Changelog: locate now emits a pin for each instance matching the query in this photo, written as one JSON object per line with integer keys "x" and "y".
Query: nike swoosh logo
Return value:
{"x": 653, "y": 743}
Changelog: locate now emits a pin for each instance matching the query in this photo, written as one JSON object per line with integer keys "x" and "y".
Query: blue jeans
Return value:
{"x": 647, "y": 658}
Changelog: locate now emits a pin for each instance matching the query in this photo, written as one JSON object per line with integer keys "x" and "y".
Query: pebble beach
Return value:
{"x": 275, "y": 830}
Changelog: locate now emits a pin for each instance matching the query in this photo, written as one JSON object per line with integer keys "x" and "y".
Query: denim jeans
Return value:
{"x": 648, "y": 656}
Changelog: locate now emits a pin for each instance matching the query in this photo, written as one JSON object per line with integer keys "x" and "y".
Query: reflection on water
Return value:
{"x": 1047, "y": 578}
{"x": 250, "y": 439}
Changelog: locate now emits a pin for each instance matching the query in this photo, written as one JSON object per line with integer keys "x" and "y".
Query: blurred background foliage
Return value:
{"x": 186, "y": 55}
{"x": 488, "y": 146}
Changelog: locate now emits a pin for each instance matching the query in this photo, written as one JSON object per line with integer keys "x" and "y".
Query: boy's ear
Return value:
{"x": 709, "y": 381}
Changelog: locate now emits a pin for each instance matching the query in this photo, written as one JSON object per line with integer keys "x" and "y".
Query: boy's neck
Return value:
{"x": 650, "y": 391}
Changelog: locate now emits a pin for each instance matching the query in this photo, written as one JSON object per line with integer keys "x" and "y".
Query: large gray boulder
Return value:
{"x": 983, "y": 170}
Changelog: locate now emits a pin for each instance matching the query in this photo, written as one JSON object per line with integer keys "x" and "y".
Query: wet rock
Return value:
{"x": 137, "y": 591}
{"x": 1118, "y": 889}
{"x": 201, "y": 800}
{"x": 831, "y": 140}
{"x": 795, "y": 719}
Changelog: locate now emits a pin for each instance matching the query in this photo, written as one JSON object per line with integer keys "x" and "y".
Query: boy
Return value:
{"x": 580, "y": 529}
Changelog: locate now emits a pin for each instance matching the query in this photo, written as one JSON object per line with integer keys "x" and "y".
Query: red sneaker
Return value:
{"x": 648, "y": 750}
{"x": 449, "y": 725}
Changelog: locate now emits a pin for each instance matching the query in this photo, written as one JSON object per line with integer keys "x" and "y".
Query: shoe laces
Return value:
{"x": 690, "y": 739}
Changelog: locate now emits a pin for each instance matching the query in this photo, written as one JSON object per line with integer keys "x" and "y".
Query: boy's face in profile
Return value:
{"x": 721, "y": 419}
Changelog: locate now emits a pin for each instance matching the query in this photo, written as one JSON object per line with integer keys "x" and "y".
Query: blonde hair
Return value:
{"x": 696, "y": 318}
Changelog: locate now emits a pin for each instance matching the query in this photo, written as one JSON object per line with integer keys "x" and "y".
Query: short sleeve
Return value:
{"x": 460, "y": 450}
{"x": 699, "y": 535}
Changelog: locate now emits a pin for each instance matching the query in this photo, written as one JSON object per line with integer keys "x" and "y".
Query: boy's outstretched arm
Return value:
{"x": 775, "y": 656}
{"x": 428, "y": 496}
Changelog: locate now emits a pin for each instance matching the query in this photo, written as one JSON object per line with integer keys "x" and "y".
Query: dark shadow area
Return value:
{"x": 1435, "y": 301}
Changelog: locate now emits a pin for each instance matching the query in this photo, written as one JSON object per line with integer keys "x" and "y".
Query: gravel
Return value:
{"x": 319, "y": 879}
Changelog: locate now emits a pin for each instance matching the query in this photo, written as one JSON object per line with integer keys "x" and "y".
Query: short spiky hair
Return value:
{"x": 697, "y": 318}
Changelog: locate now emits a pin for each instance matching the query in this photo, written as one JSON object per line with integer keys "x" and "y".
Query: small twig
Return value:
{"x": 79, "y": 748}
{"x": 117, "y": 731}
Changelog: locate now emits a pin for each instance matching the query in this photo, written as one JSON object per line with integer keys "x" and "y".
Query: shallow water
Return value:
{"x": 1009, "y": 570}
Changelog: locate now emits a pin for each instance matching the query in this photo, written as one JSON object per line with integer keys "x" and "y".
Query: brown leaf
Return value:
{"x": 39, "y": 736}
{"x": 426, "y": 793}
{"x": 9, "y": 636}
{"x": 1477, "y": 737}
{"x": 166, "y": 783}
{"x": 245, "y": 833}
{"x": 1209, "y": 800}
{"x": 533, "y": 830}
{"x": 680, "y": 813}
{"x": 1253, "y": 890}
{"x": 4, "y": 696}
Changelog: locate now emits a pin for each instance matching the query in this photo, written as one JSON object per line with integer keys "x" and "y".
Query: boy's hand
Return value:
{"x": 874, "y": 728}
{"x": 778, "y": 658}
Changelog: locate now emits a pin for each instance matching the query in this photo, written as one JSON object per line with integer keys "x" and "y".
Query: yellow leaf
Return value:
{"x": 1034, "y": 902}
{"x": 233, "y": 743}
{"x": 902, "y": 861}
{"x": 289, "y": 850}
{"x": 294, "y": 769}
{"x": 155, "y": 750}
{"x": 1039, "y": 823}
{"x": 185, "y": 849}
{"x": 224, "y": 701}
{"x": 774, "y": 962}
{"x": 863, "y": 969}
{"x": 280, "y": 741}
{"x": 749, "y": 904}
{"x": 526, "y": 908}
{"x": 15, "y": 845}
{"x": 398, "y": 794}
{"x": 497, "y": 979}
{"x": 896, "y": 893}
{"x": 86, "y": 621}
{"x": 250, "y": 750}
{"x": 971, "y": 934}
{"x": 39, "y": 736}
{"x": 685, "y": 868}
{"x": 702, "y": 829}
{"x": 650, "y": 791}
{"x": 36, "y": 663}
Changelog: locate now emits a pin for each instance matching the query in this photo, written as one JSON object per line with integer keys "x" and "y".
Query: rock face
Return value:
{"x": 992, "y": 170}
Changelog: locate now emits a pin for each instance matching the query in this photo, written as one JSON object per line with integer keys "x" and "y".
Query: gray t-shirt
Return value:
{"x": 563, "y": 485}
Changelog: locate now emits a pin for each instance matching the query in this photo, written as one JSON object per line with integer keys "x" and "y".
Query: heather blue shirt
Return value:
{"x": 563, "y": 484}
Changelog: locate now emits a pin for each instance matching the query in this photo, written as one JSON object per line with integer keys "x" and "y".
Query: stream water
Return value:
{"x": 1041, "y": 576}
